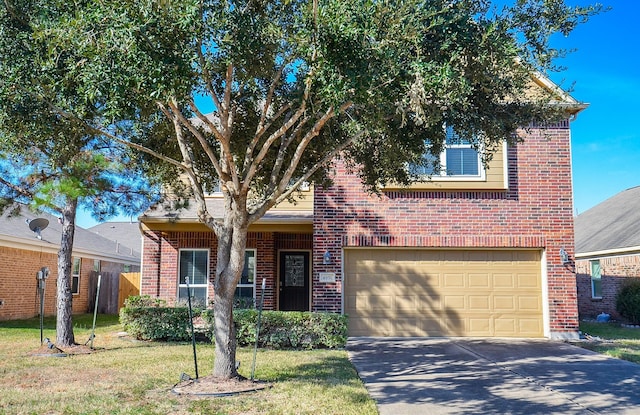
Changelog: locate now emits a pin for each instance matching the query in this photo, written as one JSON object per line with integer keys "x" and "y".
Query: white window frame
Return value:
{"x": 444, "y": 176}
{"x": 215, "y": 191}
{"x": 595, "y": 278}
{"x": 191, "y": 284}
{"x": 75, "y": 274}
{"x": 247, "y": 265}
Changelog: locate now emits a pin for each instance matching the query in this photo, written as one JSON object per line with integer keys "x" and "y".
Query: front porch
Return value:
{"x": 282, "y": 259}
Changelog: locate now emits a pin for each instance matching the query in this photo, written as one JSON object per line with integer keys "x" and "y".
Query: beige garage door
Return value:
{"x": 412, "y": 292}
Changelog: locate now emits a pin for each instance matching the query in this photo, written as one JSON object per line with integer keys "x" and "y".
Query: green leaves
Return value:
{"x": 293, "y": 82}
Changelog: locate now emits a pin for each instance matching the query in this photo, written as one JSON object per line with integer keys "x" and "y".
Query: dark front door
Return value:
{"x": 294, "y": 281}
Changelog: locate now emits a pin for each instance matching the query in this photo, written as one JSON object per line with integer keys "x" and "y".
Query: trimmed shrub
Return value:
{"x": 288, "y": 329}
{"x": 628, "y": 301}
{"x": 146, "y": 318}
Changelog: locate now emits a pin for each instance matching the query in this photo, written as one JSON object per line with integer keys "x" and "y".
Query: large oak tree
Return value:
{"x": 294, "y": 85}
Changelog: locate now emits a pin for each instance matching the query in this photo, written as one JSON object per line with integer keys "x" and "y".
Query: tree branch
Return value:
{"x": 201, "y": 139}
{"x": 203, "y": 214}
{"x": 253, "y": 168}
{"x": 18, "y": 189}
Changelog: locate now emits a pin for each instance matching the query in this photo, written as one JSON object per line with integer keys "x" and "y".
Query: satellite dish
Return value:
{"x": 38, "y": 225}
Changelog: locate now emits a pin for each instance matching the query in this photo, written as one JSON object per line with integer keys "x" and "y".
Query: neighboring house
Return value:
{"x": 607, "y": 252}
{"x": 126, "y": 235}
{"x": 473, "y": 252}
{"x": 23, "y": 254}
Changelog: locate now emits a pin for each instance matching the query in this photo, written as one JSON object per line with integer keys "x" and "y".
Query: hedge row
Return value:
{"x": 288, "y": 329}
{"x": 149, "y": 319}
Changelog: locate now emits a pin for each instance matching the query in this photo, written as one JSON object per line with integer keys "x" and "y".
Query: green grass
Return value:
{"x": 616, "y": 341}
{"x": 124, "y": 376}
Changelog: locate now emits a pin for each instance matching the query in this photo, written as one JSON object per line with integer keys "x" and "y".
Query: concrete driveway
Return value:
{"x": 487, "y": 376}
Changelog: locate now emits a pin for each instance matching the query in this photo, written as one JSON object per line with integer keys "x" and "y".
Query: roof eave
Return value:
{"x": 609, "y": 252}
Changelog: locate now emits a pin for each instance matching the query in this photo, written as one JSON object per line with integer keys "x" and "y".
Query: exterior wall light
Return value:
{"x": 326, "y": 258}
{"x": 564, "y": 256}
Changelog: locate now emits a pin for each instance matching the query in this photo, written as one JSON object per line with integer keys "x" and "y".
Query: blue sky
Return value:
{"x": 604, "y": 71}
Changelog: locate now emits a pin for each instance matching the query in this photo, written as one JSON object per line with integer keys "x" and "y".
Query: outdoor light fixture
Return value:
{"x": 564, "y": 256}
{"x": 326, "y": 258}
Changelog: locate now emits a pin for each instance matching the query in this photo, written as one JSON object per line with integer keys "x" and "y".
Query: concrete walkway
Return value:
{"x": 486, "y": 376}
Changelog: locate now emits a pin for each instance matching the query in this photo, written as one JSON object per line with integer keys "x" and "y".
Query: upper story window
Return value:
{"x": 458, "y": 161}
{"x": 212, "y": 189}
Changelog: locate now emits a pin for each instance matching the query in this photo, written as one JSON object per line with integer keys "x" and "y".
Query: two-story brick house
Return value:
{"x": 475, "y": 251}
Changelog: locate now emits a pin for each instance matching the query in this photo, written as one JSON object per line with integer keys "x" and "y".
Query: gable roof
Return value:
{"x": 611, "y": 227}
{"x": 14, "y": 231}
{"x": 125, "y": 234}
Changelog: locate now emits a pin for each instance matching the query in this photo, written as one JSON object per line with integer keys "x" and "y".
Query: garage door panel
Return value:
{"x": 528, "y": 281}
{"x": 453, "y": 280}
{"x": 505, "y": 326}
{"x": 380, "y": 302}
{"x": 479, "y": 280}
{"x": 479, "y": 303}
{"x": 507, "y": 281}
{"x": 530, "y": 327}
{"x": 531, "y": 303}
{"x": 429, "y": 302}
{"x": 502, "y": 303}
{"x": 407, "y": 302}
{"x": 480, "y": 326}
{"x": 455, "y": 325}
{"x": 454, "y": 301}
{"x": 416, "y": 292}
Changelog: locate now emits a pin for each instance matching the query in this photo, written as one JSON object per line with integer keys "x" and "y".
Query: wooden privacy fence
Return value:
{"x": 129, "y": 285}
{"x": 114, "y": 289}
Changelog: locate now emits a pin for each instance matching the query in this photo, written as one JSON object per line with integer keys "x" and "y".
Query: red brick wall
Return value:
{"x": 615, "y": 271}
{"x": 160, "y": 263}
{"x": 18, "y": 284}
{"x": 535, "y": 212}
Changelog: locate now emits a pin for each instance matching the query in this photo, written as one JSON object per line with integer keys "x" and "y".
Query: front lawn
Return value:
{"x": 612, "y": 339}
{"x": 124, "y": 376}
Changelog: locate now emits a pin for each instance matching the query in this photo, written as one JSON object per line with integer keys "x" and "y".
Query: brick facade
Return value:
{"x": 615, "y": 271}
{"x": 535, "y": 212}
{"x": 18, "y": 285}
{"x": 161, "y": 251}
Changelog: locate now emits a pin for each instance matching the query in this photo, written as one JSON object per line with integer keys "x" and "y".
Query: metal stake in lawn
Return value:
{"x": 193, "y": 333}
{"x": 255, "y": 349}
{"x": 41, "y": 276}
{"x": 95, "y": 312}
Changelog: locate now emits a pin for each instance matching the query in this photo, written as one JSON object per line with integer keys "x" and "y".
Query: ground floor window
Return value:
{"x": 194, "y": 265}
{"x": 75, "y": 276}
{"x": 246, "y": 290}
{"x": 596, "y": 279}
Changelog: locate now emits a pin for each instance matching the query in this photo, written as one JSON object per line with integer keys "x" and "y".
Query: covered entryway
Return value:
{"x": 294, "y": 281}
{"x": 419, "y": 292}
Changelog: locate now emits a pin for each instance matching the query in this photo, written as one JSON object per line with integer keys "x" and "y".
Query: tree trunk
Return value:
{"x": 64, "y": 323}
{"x": 232, "y": 242}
